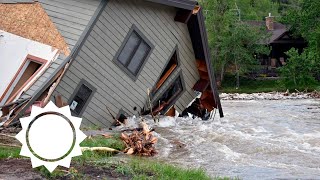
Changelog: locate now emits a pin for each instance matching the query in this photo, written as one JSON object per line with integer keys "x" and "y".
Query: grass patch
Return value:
{"x": 102, "y": 163}
{"x": 57, "y": 173}
{"x": 87, "y": 156}
{"x": 140, "y": 168}
{"x": 99, "y": 141}
{"x": 115, "y": 142}
{"x": 136, "y": 168}
{"x": 9, "y": 152}
{"x": 248, "y": 85}
{"x": 60, "y": 173}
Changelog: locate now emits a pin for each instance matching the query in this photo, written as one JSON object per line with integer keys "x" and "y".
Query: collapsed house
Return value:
{"x": 119, "y": 50}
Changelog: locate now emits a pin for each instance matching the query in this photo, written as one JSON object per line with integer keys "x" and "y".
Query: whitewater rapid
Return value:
{"x": 255, "y": 140}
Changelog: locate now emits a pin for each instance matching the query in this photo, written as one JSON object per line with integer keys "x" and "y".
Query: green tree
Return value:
{"x": 257, "y": 9}
{"x": 232, "y": 41}
{"x": 305, "y": 21}
{"x": 299, "y": 69}
{"x": 240, "y": 46}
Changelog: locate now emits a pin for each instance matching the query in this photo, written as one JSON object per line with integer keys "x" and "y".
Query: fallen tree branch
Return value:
{"x": 105, "y": 149}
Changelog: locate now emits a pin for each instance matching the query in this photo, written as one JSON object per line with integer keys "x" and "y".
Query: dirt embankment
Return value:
{"x": 20, "y": 169}
{"x": 16, "y": 169}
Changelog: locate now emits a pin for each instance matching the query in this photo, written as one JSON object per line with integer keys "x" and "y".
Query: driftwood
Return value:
{"x": 140, "y": 143}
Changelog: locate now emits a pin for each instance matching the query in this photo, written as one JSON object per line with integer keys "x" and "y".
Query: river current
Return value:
{"x": 257, "y": 139}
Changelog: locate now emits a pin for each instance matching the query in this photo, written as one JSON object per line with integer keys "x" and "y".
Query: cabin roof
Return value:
{"x": 278, "y": 31}
{"x": 200, "y": 40}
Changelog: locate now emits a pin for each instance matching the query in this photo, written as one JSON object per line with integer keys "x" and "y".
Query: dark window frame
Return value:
{"x": 91, "y": 87}
{"x": 179, "y": 75}
{"x": 176, "y": 49}
{"x": 133, "y": 29}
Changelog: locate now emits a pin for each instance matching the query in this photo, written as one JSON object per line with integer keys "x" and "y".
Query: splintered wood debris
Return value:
{"x": 140, "y": 143}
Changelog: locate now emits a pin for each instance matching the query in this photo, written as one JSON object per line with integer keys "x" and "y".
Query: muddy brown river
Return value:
{"x": 261, "y": 139}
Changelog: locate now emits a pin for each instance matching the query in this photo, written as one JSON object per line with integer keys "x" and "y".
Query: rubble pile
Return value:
{"x": 269, "y": 96}
{"x": 315, "y": 94}
{"x": 140, "y": 143}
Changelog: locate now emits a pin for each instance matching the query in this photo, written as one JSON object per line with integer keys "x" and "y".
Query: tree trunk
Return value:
{"x": 238, "y": 80}
{"x": 237, "y": 76}
{"x": 222, "y": 74}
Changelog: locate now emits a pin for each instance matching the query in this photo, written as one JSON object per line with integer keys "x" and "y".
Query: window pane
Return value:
{"x": 139, "y": 57}
{"x": 81, "y": 98}
{"x": 128, "y": 49}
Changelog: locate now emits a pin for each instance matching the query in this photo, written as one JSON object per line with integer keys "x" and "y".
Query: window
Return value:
{"x": 81, "y": 97}
{"x": 169, "y": 97}
{"x": 133, "y": 53}
{"x": 170, "y": 67}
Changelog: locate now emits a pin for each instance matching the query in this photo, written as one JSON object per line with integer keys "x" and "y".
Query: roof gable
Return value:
{"x": 279, "y": 30}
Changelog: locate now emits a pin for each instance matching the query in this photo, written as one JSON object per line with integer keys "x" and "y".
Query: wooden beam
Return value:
{"x": 165, "y": 77}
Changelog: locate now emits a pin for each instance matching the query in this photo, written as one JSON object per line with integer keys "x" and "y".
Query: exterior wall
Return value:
{"x": 114, "y": 88}
{"x": 71, "y": 18}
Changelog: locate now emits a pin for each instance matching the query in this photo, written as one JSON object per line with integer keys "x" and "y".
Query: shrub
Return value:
{"x": 300, "y": 69}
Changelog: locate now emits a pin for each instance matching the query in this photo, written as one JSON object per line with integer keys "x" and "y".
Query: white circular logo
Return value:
{"x": 50, "y": 136}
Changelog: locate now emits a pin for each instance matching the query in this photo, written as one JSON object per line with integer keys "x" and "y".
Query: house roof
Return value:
{"x": 276, "y": 33}
{"x": 182, "y": 4}
{"x": 29, "y": 20}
